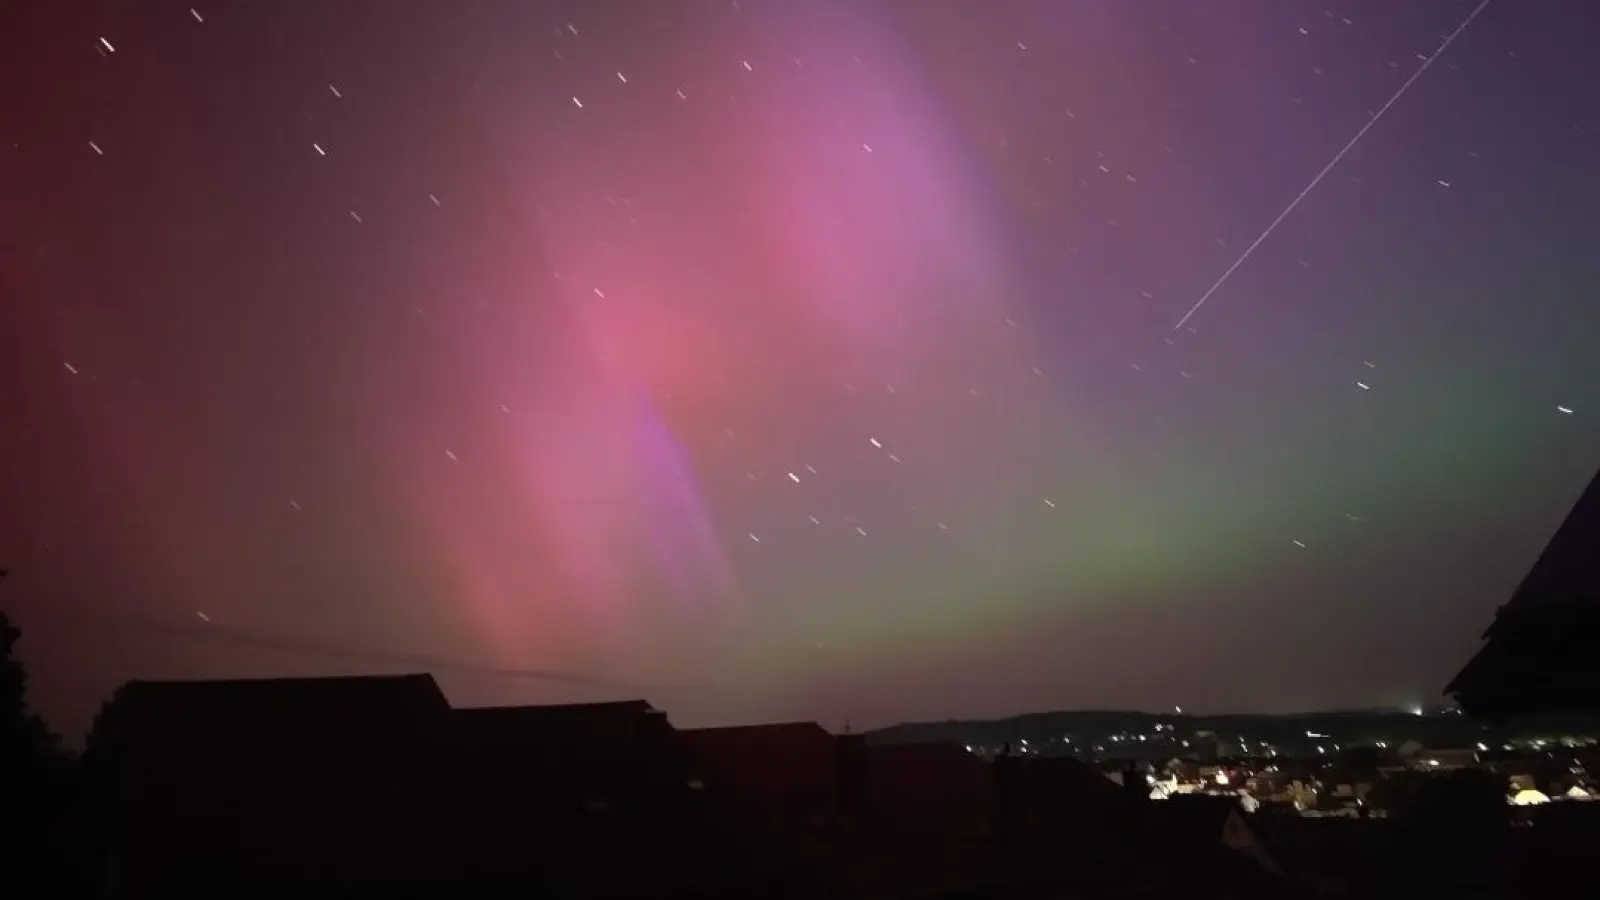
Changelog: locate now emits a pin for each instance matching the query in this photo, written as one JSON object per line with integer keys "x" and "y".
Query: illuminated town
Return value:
{"x": 1273, "y": 765}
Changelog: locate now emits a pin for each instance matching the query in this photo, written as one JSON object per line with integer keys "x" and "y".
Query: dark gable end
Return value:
{"x": 1568, "y": 570}
{"x": 1539, "y": 655}
{"x": 298, "y": 778}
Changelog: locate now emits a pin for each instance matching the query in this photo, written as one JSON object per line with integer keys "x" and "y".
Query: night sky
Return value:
{"x": 779, "y": 360}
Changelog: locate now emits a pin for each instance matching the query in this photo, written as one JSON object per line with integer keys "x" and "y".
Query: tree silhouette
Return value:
{"x": 28, "y": 741}
{"x": 32, "y": 776}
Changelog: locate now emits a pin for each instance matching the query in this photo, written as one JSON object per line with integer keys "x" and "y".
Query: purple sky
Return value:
{"x": 788, "y": 361}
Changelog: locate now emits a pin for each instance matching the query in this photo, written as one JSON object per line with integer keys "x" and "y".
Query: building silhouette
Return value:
{"x": 222, "y": 787}
{"x": 1538, "y": 655}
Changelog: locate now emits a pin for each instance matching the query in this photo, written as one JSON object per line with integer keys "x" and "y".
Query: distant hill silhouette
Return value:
{"x": 1351, "y": 726}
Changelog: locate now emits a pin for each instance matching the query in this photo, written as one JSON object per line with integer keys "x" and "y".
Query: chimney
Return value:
{"x": 849, "y": 770}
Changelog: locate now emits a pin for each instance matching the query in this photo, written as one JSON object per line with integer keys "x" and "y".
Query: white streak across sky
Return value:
{"x": 1332, "y": 163}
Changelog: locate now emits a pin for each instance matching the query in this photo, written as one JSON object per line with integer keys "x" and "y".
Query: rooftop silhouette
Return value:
{"x": 1539, "y": 655}
{"x": 378, "y": 780}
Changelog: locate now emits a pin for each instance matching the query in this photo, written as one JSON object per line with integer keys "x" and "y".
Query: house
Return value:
{"x": 1065, "y": 824}
{"x": 937, "y": 819}
{"x": 882, "y": 821}
{"x": 787, "y": 775}
{"x": 607, "y": 800}
{"x": 372, "y": 781}
{"x": 1276, "y": 779}
{"x": 921, "y": 820}
{"x": 1346, "y": 788}
{"x": 297, "y": 779}
{"x": 218, "y": 787}
{"x": 1538, "y": 654}
{"x": 1214, "y": 820}
{"x": 1183, "y": 769}
{"x": 918, "y": 819}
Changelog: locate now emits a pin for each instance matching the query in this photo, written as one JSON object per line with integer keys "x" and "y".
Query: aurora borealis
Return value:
{"x": 792, "y": 361}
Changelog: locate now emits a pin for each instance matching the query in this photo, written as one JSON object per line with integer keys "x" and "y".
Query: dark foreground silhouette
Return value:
{"x": 321, "y": 787}
{"x": 335, "y": 786}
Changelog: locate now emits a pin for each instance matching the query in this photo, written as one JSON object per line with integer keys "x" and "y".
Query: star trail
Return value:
{"x": 793, "y": 361}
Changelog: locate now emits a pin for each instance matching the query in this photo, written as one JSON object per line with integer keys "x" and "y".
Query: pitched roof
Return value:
{"x": 606, "y": 794}
{"x": 793, "y": 762}
{"x": 281, "y": 710}
{"x": 1537, "y": 656}
{"x": 1205, "y": 839}
{"x": 1198, "y": 816}
{"x": 1057, "y": 803}
{"x": 598, "y": 750}
{"x": 1568, "y": 569}
{"x": 917, "y": 820}
{"x": 1067, "y": 777}
{"x": 591, "y": 794}
{"x": 906, "y": 772}
{"x": 593, "y": 723}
